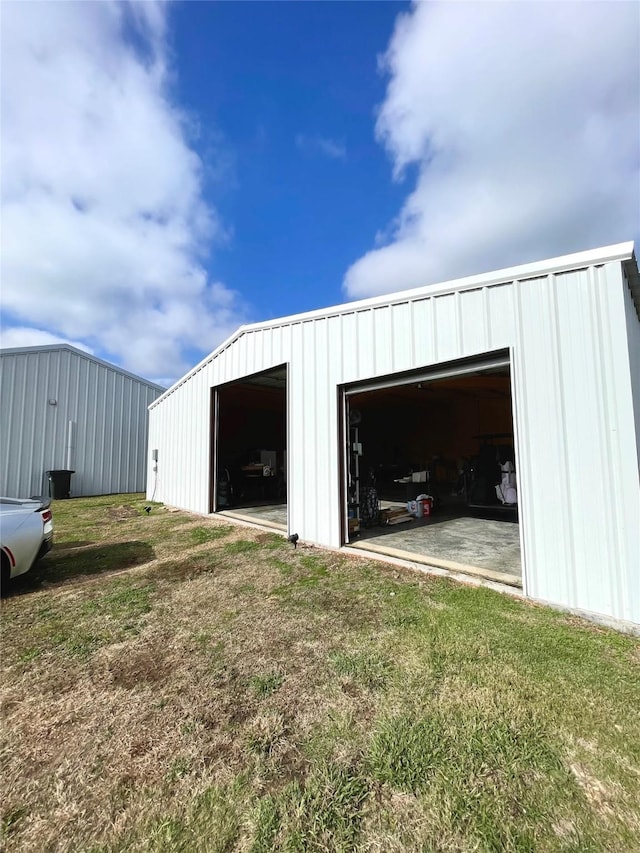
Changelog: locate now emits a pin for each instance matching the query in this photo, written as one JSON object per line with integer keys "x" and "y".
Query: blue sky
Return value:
{"x": 171, "y": 171}
{"x": 293, "y": 114}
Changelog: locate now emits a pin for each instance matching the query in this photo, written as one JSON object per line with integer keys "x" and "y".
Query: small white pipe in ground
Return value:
{"x": 71, "y": 443}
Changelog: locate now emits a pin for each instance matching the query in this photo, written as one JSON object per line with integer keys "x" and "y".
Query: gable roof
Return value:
{"x": 622, "y": 252}
{"x": 83, "y": 354}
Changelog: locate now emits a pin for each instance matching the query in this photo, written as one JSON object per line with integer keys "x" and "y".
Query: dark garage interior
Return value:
{"x": 250, "y": 424}
{"x": 450, "y": 442}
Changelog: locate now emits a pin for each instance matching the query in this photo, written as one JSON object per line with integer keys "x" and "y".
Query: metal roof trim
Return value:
{"x": 633, "y": 280}
{"x": 619, "y": 252}
{"x": 84, "y": 354}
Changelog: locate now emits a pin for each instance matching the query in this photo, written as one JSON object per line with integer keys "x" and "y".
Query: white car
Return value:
{"x": 26, "y": 534}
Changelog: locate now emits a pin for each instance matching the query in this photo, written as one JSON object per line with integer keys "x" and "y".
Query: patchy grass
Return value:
{"x": 266, "y": 684}
{"x": 174, "y": 683}
{"x": 369, "y": 669}
{"x": 200, "y": 535}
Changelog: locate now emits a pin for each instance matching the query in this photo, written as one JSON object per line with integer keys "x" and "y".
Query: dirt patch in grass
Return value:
{"x": 121, "y": 513}
{"x": 227, "y": 692}
{"x": 135, "y": 666}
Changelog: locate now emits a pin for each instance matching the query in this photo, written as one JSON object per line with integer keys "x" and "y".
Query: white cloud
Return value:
{"x": 331, "y": 148}
{"x": 22, "y": 336}
{"x": 522, "y": 120}
{"x": 104, "y": 226}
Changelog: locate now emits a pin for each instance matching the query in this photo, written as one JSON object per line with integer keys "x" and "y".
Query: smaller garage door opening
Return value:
{"x": 250, "y": 448}
{"x": 431, "y": 472}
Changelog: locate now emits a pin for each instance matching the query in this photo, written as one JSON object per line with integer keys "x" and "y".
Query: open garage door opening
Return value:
{"x": 430, "y": 469}
{"x": 249, "y": 429}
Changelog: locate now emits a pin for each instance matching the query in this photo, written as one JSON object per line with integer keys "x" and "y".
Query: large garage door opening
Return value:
{"x": 430, "y": 470}
{"x": 250, "y": 448}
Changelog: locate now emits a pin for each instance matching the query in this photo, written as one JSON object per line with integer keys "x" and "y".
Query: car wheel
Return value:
{"x": 5, "y": 575}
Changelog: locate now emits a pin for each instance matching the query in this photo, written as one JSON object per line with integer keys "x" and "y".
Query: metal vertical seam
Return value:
{"x": 608, "y": 406}
{"x": 559, "y": 392}
{"x": 522, "y": 441}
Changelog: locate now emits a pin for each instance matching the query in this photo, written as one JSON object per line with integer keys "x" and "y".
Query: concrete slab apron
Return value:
{"x": 272, "y": 515}
{"x": 475, "y": 546}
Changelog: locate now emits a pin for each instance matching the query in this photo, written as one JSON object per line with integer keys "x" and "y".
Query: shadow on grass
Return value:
{"x": 62, "y": 565}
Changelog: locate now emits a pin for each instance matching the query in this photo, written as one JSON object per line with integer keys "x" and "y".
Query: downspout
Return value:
{"x": 71, "y": 444}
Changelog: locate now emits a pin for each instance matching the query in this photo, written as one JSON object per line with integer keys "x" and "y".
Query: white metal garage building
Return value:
{"x": 543, "y": 359}
{"x": 62, "y": 408}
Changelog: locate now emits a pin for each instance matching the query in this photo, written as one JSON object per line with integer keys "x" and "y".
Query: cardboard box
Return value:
{"x": 394, "y": 516}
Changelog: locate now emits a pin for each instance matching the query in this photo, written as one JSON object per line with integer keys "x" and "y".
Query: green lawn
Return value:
{"x": 177, "y": 683}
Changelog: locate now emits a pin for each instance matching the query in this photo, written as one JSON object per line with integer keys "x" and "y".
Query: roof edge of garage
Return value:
{"x": 84, "y": 354}
{"x": 621, "y": 252}
{"x": 633, "y": 280}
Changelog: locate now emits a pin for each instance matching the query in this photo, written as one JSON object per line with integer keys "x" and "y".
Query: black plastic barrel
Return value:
{"x": 59, "y": 484}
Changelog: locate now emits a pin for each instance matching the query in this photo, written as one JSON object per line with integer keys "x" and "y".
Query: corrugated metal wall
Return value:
{"x": 108, "y": 407}
{"x": 578, "y": 479}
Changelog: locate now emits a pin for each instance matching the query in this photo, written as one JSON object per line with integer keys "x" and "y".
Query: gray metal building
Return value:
{"x": 547, "y": 353}
{"x": 62, "y": 408}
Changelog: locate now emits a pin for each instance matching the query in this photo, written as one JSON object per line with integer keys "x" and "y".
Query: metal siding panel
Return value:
{"x": 474, "y": 337}
{"x": 108, "y": 413}
{"x": 382, "y": 340}
{"x": 579, "y": 349}
{"x": 499, "y": 316}
{"x": 402, "y": 337}
{"x": 15, "y": 430}
{"x": 7, "y": 423}
{"x": 366, "y": 343}
{"x": 268, "y": 347}
{"x": 335, "y": 360}
{"x": 132, "y": 456}
{"x": 277, "y": 356}
{"x": 323, "y": 432}
{"x": 87, "y": 457}
{"x": 202, "y": 445}
{"x": 582, "y": 502}
{"x": 335, "y": 354}
{"x": 116, "y": 414}
{"x": 234, "y": 357}
{"x": 350, "y": 368}
{"x": 424, "y": 336}
{"x": 224, "y": 366}
{"x": 297, "y": 440}
{"x": 620, "y": 434}
{"x": 54, "y": 417}
{"x": 446, "y": 331}
{"x": 253, "y": 355}
{"x": 82, "y": 423}
{"x": 27, "y": 439}
{"x": 242, "y": 356}
{"x": 308, "y": 459}
{"x": 283, "y": 352}
{"x": 542, "y": 461}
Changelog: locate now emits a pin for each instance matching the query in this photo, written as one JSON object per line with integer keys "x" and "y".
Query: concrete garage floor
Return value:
{"x": 269, "y": 515}
{"x": 479, "y": 546}
{"x": 483, "y": 547}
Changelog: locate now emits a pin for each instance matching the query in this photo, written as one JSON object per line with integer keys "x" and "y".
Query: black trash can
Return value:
{"x": 59, "y": 484}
